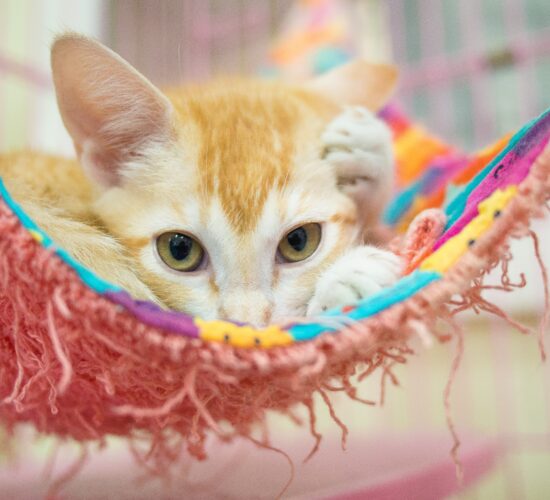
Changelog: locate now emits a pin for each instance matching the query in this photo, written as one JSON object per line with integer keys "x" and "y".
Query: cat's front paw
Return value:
{"x": 359, "y": 145}
{"x": 356, "y": 275}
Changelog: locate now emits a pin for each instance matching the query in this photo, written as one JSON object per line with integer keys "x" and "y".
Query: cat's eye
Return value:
{"x": 180, "y": 251}
{"x": 300, "y": 243}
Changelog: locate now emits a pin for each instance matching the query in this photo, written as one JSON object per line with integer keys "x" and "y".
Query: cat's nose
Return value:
{"x": 247, "y": 306}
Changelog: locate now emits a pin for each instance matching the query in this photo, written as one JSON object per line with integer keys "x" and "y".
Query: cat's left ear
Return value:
{"x": 110, "y": 110}
{"x": 358, "y": 83}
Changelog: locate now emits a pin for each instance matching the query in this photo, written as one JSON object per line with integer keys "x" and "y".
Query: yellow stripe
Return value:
{"x": 445, "y": 256}
{"x": 242, "y": 336}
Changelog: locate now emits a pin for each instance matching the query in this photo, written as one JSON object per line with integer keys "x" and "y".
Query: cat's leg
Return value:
{"x": 91, "y": 247}
{"x": 359, "y": 146}
{"x": 358, "y": 273}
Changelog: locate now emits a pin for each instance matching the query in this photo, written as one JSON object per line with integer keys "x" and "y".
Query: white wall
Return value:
{"x": 28, "y": 113}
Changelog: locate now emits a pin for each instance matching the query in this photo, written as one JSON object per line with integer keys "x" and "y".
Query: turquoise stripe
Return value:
{"x": 25, "y": 220}
{"x": 403, "y": 289}
{"x": 458, "y": 205}
{"x": 85, "y": 274}
{"x": 401, "y": 204}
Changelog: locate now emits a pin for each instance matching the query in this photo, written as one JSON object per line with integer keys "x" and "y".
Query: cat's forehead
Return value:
{"x": 251, "y": 139}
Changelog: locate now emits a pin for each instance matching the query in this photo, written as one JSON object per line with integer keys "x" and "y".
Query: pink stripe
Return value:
{"x": 443, "y": 69}
{"x": 321, "y": 13}
{"x": 24, "y": 71}
{"x": 513, "y": 169}
{"x": 205, "y": 29}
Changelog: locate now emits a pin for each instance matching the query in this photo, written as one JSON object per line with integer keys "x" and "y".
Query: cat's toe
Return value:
{"x": 368, "y": 271}
{"x": 359, "y": 144}
{"x": 347, "y": 290}
{"x": 355, "y": 128}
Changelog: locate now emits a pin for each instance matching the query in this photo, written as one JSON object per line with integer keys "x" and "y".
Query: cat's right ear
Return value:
{"x": 110, "y": 110}
{"x": 357, "y": 83}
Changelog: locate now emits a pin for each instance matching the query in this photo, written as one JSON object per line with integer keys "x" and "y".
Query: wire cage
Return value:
{"x": 471, "y": 70}
{"x": 463, "y": 61}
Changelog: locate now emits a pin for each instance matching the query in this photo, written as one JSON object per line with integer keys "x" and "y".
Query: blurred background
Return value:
{"x": 471, "y": 70}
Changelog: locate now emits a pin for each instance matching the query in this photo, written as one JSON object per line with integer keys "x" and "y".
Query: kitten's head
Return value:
{"x": 219, "y": 190}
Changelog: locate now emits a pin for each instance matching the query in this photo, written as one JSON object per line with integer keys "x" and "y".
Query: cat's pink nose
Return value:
{"x": 247, "y": 306}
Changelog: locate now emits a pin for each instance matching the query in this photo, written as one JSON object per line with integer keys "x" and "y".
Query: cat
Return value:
{"x": 237, "y": 199}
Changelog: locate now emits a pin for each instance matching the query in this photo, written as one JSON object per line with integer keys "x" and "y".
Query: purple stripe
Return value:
{"x": 153, "y": 315}
{"x": 443, "y": 170}
{"x": 511, "y": 171}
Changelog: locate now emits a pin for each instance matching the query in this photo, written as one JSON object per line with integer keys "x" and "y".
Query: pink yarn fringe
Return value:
{"x": 546, "y": 315}
{"x": 447, "y": 400}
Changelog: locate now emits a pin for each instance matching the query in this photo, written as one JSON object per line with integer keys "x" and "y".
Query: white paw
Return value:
{"x": 356, "y": 275}
{"x": 359, "y": 145}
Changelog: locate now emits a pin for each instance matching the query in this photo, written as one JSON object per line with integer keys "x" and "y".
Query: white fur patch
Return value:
{"x": 359, "y": 273}
{"x": 359, "y": 145}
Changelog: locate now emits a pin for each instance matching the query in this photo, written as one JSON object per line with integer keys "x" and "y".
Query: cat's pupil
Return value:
{"x": 180, "y": 246}
{"x": 297, "y": 239}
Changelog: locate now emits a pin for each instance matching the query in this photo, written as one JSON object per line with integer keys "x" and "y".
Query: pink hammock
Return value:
{"x": 81, "y": 359}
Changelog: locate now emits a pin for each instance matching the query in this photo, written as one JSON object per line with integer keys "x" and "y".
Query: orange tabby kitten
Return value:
{"x": 237, "y": 199}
